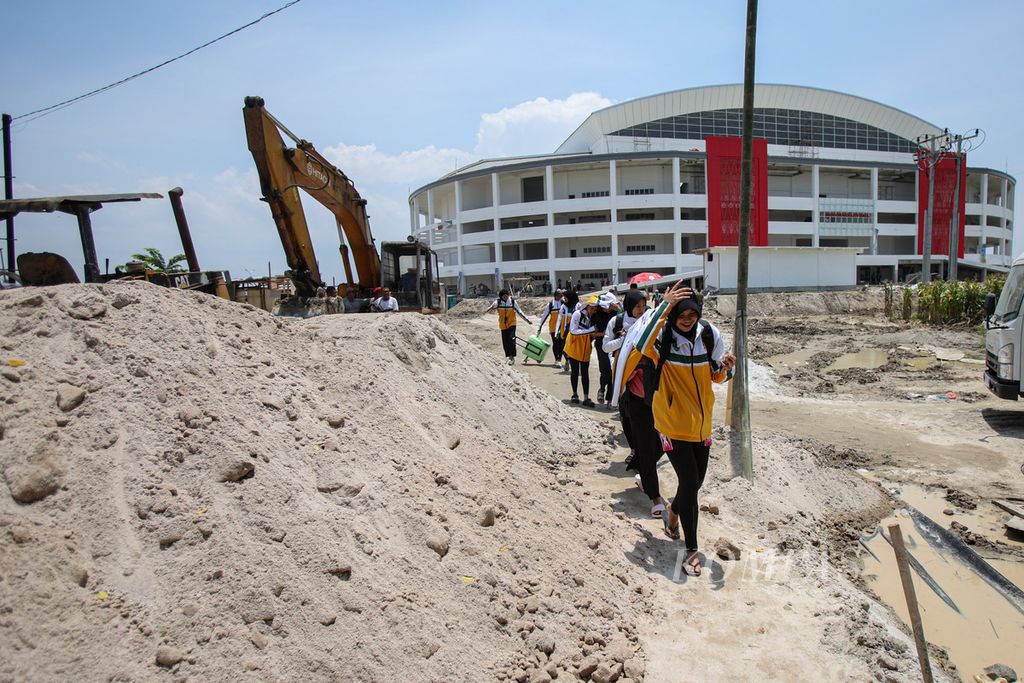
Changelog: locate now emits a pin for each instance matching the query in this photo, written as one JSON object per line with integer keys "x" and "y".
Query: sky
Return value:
{"x": 397, "y": 94}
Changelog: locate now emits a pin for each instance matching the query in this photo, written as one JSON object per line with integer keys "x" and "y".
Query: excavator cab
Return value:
{"x": 409, "y": 270}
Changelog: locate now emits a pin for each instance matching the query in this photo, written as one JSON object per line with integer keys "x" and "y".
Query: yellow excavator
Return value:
{"x": 409, "y": 268}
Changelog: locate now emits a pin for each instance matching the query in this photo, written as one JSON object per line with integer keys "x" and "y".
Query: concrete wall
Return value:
{"x": 578, "y": 182}
{"x": 782, "y": 268}
{"x": 476, "y": 193}
{"x": 657, "y": 177}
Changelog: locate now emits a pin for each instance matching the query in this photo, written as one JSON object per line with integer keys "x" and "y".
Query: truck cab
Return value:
{"x": 1004, "y": 336}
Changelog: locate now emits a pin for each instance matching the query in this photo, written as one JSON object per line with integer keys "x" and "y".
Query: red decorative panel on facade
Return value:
{"x": 945, "y": 188}
{"x": 723, "y": 187}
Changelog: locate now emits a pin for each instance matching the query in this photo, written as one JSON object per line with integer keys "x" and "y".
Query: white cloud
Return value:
{"x": 365, "y": 164}
{"x": 534, "y": 127}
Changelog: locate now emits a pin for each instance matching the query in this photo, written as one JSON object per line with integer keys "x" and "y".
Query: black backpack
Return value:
{"x": 619, "y": 323}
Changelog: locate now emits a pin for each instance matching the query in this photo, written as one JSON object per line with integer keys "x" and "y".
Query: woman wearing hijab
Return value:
{"x": 578, "y": 347}
{"x": 688, "y": 355}
{"x": 570, "y": 300}
{"x": 508, "y": 309}
{"x": 634, "y": 305}
{"x": 608, "y": 306}
{"x": 551, "y": 313}
{"x": 631, "y": 394}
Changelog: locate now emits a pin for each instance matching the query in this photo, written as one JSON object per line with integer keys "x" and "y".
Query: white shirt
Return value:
{"x": 385, "y": 305}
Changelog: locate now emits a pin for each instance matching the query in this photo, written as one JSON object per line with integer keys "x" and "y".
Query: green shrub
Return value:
{"x": 951, "y": 303}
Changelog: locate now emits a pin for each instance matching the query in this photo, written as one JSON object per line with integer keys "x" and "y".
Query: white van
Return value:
{"x": 1004, "y": 342}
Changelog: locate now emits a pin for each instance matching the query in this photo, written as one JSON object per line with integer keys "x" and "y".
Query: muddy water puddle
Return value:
{"x": 866, "y": 358}
{"x": 791, "y": 361}
{"x": 919, "y": 362}
{"x": 960, "y": 611}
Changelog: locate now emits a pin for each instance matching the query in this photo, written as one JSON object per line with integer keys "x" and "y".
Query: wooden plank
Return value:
{"x": 1010, "y": 507}
{"x": 1016, "y": 524}
{"x": 912, "y": 607}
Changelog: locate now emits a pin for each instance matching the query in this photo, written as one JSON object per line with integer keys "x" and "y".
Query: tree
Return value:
{"x": 154, "y": 260}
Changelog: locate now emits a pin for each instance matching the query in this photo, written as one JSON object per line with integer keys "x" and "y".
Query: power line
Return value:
{"x": 39, "y": 113}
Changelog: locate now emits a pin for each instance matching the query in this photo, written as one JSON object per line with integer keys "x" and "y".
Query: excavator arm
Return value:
{"x": 283, "y": 171}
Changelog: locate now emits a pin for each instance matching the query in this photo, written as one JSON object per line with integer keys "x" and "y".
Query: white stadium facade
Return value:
{"x": 642, "y": 185}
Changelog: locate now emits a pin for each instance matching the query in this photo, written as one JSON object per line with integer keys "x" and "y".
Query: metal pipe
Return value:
{"x": 92, "y": 267}
{"x": 9, "y": 190}
{"x": 174, "y": 196}
{"x": 343, "y": 248}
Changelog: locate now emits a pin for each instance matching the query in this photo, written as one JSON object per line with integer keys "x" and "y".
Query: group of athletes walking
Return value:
{"x": 656, "y": 366}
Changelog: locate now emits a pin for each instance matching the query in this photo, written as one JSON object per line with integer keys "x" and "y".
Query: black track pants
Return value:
{"x": 647, "y": 443}
{"x": 627, "y": 425}
{"x": 508, "y": 342}
{"x": 604, "y": 364}
{"x": 690, "y": 461}
{"x": 577, "y": 368}
{"x": 557, "y": 344}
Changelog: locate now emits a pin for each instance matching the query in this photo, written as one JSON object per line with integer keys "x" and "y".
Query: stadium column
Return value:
{"x": 549, "y": 197}
{"x": 430, "y": 209}
{"x": 414, "y": 216}
{"x": 496, "y": 224}
{"x": 1002, "y": 224}
{"x": 815, "y": 214}
{"x": 677, "y": 206}
{"x": 613, "y": 203}
{"x": 874, "y": 210}
{"x": 458, "y": 233}
{"x": 984, "y": 215}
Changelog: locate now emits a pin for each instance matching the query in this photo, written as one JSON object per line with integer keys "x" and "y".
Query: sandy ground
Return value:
{"x": 885, "y": 417}
{"x": 198, "y": 491}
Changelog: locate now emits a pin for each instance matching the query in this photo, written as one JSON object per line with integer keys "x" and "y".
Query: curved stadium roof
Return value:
{"x": 674, "y": 113}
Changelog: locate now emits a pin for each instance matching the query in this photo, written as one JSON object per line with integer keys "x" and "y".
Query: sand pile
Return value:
{"x": 863, "y": 300}
{"x": 192, "y": 487}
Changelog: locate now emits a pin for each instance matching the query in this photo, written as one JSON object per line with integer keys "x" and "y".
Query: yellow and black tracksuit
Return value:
{"x": 577, "y": 349}
{"x": 507, "y": 312}
{"x": 552, "y": 313}
{"x": 683, "y": 403}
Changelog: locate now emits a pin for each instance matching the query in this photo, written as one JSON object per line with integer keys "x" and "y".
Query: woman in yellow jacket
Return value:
{"x": 508, "y": 309}
{"x": 578, "y": 347}
{"x": 682, "y": 401}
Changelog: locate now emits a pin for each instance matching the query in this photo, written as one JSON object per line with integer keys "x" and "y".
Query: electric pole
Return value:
{"x": 740, "y": 397}
{"x": 9, "y": 190}
{"x": 954, "y": 226}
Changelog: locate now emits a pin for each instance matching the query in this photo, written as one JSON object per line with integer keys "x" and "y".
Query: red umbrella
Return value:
{"x": 644, "y": 278}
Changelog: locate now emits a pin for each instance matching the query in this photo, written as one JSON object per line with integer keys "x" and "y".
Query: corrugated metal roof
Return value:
{"x": 68, "y": 203}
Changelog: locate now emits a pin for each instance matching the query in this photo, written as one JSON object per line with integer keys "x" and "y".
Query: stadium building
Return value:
{"x": 648, "y": 185}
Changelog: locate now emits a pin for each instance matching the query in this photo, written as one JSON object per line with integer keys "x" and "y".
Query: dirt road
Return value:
{"x": 853, "y": 390}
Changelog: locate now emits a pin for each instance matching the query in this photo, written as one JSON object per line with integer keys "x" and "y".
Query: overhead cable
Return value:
{"x": 38, "y": 113}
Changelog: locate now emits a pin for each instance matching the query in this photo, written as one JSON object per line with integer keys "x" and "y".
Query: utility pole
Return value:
{"x": 9, "y": 190}
{"x": 954, "y": 226}
{"x": 740, "y": 396}
{"x": 931, "y": 155}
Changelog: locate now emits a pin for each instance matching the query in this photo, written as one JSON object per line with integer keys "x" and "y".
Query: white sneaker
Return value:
{"x": 511, "y": 361}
